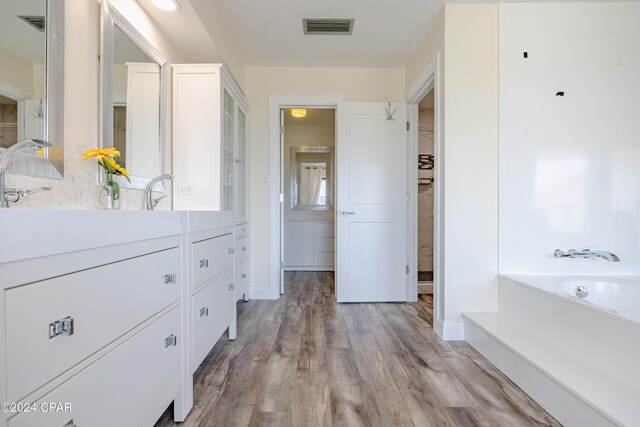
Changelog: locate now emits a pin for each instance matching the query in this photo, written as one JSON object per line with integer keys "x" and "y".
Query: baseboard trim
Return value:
{"x": 449, "y": 331}
{"x": 425, "y": 287}
{"x": 261, "y": 292}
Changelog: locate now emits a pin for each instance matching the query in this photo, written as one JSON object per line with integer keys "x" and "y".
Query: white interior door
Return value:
{"x": 371, "y": 206}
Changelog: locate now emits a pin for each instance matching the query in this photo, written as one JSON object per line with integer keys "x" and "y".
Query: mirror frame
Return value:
{"x": 51, "y": 166}
{"x": 294, "y": 178}
{"x": 110, "y": 18}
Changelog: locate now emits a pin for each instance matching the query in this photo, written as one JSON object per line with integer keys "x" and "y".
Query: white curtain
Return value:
{"x": 315, "y": 180}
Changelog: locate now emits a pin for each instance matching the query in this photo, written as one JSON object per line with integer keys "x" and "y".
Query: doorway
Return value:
{"x": 426, "y": 182}
{"x": 308, "y": 170}
{"x": 371, "y": 201}
{"x": 426, "y": 193}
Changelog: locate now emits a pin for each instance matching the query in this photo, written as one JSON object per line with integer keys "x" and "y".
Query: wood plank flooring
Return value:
{"x": 305, "y": 360}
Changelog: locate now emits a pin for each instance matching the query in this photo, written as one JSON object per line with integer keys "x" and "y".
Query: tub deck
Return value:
{"x": 577, "y": 360}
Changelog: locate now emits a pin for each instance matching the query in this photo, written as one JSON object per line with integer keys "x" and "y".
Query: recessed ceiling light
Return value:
{"x": 166, "y": 5}
{"x": 299, "y": 113}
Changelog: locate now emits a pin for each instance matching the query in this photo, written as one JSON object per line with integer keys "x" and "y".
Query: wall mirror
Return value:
{"x": 133, "y": 99}
{"x": 312, "y": 178}
{"x": 31, "y": 83}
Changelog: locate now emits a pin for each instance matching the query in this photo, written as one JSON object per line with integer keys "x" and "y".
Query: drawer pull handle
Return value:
{"x": 231, "y": 286}
{"x": 170, "y": 278}
{"x": 204, "y": 311}
{"x": 204, "y": 263}
{"x": 244, "y": 249}
{"x": 61, "y": 327}
{"x": 244, "y": 276}
{"x": 70, "y": 424}
{"x": 170, "y": 341}
{"x": 230, "y": 251}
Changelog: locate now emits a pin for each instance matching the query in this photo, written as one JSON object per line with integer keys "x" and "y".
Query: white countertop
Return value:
{"x": 35, "y": 233}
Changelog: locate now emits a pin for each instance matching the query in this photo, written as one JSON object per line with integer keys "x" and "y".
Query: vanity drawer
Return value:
{"x": 242, "y": 249}
{"x": 242, "y": 230}
{"x": 242, "y": 280}
{"x": 213, "y": 311}
{"x": 211, "y": 257}
{"x": 123, "y": 388}
{"x": 99, "y": 304}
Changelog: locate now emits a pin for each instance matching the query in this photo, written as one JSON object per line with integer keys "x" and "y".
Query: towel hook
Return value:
{"x": 390, "y": 113}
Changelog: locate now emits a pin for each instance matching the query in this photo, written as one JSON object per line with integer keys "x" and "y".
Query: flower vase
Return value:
{"x": 110, "y": 195}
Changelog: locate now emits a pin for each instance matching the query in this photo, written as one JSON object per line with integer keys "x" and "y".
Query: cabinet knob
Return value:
{"x": 170, "y": 278}
{"x": 170, "y": 341}
{"x": 204, "y": 311}
{"x": 61, "y": 327}
{"x": 204, "y": 263}
{"x": 70, "y": 424}
{"x": 244, "y": 276}
{"x": 230, "y": 251}
{"x": 231, "y": 286}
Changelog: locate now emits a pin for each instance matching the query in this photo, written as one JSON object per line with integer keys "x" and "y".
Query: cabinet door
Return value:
{"x": 228, "y": 158}
{"x": 241, "y": 155}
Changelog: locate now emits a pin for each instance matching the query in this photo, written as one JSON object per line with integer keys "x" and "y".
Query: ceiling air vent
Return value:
{"x": 328, "y": 26}
{"x": 37, "y": 22}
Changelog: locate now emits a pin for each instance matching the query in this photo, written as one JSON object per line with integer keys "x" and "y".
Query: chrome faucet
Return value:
{"x": 149, "y": 201}
{"x": 586, "y": 253}
{"x": 5, "y": 157}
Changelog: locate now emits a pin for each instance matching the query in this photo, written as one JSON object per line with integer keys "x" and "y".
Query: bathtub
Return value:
{"x": 578, "y": 356}
{"x": 619, "y": 296}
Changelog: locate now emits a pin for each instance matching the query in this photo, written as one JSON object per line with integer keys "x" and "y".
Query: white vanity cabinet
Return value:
{"x": 212, "y": 290}
{"x": 98, "y": 329}
{"x": 112, "y": 324}
{"x": 242, "y": 261}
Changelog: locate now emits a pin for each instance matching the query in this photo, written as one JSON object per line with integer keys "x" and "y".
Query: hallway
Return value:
{"x": 304, "y": 360}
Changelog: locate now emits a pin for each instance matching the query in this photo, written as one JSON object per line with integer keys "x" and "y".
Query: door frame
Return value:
{"x": 276, "y": 103}
{"x": 429, "y": 79}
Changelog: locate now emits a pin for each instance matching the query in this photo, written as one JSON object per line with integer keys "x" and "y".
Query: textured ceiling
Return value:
{"x": 385, "y": 33}
{"x": 18, "y": 37}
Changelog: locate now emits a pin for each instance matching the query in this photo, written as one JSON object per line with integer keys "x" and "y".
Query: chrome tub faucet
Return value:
{"x": 586, "y": 253}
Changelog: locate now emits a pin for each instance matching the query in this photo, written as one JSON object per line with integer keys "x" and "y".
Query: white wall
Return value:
{"x": 16, "y": 71}
{"x": 213, "y": 20}
{"x": 465, "y": 36}
{"x": 570, "y": 166}
{"x": 470, "y": 162}
{"x": 356, "y": 84}
{"x": 78, "y": 190}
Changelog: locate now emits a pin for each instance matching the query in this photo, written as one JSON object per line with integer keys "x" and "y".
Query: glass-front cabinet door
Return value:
{"x": 228, "y": 160}
{"x": 241, "y": 168}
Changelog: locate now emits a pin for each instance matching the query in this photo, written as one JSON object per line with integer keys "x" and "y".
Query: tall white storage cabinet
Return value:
{"x": 210, "y": 147}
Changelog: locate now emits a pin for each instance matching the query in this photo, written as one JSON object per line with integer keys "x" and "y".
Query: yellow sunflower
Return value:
{"x": 100, "y": 153}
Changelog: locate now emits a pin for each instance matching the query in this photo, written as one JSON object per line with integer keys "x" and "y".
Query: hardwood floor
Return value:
{"x": 305, "y": 360}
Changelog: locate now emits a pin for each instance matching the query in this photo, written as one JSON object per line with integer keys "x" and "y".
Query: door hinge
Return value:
{"x": 408, "y": 197}
{"x": 408, "y": 125}
{"x": 281, "y": 130}
{"x": 281, "y": 265}
{"x": 407, "y": 269}
{"x": 281, "y": 198}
